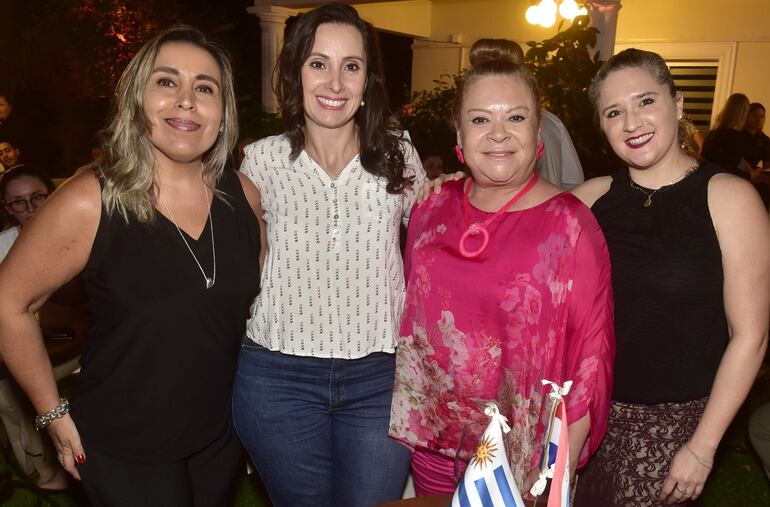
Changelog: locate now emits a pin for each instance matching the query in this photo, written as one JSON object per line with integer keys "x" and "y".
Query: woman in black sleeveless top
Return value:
{"x": 692, "y": 290}
{"x": 167, "y": 241}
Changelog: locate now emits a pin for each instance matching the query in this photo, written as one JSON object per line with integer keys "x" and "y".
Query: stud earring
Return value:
{"x": 363, "y": 103}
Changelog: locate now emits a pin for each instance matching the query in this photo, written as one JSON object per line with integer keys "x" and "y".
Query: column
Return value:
{"x": 272, "y": 20}
{"x": 604, "y": 17}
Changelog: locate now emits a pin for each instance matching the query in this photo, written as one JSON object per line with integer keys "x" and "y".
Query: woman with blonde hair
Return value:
{"x": 691, "y": 279}
{"x": 726, "y": 145}
{"x": 166, "y": 241}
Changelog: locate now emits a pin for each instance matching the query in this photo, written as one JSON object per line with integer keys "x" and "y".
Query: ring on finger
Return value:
{"x": 684, "y": 491}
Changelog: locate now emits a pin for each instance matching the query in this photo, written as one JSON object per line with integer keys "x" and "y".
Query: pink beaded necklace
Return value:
{"x": 481, "y": 228}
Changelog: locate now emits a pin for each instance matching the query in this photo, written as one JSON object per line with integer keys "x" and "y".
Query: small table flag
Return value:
{"x": 556, "y": 453}
{"x": 488, "y": 481}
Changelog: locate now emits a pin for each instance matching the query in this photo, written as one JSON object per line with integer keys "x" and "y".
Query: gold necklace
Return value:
{"x": 648, "y": 201}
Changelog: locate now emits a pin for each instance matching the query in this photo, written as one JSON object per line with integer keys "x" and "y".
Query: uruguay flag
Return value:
{"x": 488, "y": 481}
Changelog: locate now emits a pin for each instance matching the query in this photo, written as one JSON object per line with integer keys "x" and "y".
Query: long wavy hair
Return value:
{"x": 495, "y": 57}
{"x": 128, "y": 165}
{"x": 734, "y": 113}
{"x": 380, "y": 143}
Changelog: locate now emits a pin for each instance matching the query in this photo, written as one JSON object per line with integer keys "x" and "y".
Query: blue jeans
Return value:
{"x": 317, "y": 429}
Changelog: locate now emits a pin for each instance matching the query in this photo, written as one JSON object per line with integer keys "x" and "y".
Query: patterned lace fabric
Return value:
{"x": 630, "y": 466}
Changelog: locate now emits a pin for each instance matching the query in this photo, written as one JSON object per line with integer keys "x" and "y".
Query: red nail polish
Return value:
{"x": 80, "y": 459}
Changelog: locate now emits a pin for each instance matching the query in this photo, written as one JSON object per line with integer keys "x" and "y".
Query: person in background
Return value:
{"x": 315, "y": 376}
{"x": 23, "y": 190}
{"x": 9, "y": 154}
{"x": 165, "y": 241}
{"x": 754, "y": 125}
{"x": 6, "y": 108}
{"x": 560, "y": 163}
{"x": 690, "y": 138}
{"x": 759, "y": 159}
{"x": 433, "y": 164}
{"x": 691, "y": 276}
{"x": 21, "y": 130}
{"x": 508, "y": 284}
{"x": 726, "y": 145}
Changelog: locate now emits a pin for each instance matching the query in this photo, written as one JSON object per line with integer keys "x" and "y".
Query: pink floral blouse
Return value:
{"x": 536, "y": 304}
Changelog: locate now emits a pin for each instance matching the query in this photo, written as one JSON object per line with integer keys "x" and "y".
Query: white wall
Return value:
{"x": 444, "y": 29}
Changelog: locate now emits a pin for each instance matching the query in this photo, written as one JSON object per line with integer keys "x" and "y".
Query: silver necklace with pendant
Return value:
{"x": 210, "y": 281}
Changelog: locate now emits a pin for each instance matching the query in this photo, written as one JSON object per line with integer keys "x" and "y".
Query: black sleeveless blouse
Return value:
{"x": 667, "y": 277}
{"x": 159, "y": 363}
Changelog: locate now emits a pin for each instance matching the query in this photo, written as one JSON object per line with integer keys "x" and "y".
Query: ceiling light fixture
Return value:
{"x": 544, "y": 13}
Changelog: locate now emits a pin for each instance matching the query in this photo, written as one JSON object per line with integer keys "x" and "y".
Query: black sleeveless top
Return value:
{"x": 670, "y": 323}
{"x": 160, "y": 360}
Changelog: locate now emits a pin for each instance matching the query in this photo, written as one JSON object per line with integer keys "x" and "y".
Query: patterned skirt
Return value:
{"x": 632, "y": 462}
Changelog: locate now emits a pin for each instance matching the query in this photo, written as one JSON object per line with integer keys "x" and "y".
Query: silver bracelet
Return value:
{"x": 703, "y": 462}
{"x": 58, "y": 411}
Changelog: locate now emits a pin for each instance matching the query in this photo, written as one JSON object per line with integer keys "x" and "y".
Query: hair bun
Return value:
{"x": 485, "y": 51}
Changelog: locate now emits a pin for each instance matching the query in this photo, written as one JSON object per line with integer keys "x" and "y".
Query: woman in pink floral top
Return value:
{"x": 493, "y": 308}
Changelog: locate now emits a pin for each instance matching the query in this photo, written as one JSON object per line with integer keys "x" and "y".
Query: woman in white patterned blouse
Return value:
{"x": 315, "y": 378}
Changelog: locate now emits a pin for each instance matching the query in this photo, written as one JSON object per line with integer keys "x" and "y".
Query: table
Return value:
{"x": 434, "y": 501}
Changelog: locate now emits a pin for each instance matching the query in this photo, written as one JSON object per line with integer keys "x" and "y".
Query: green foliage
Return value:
{"x": 429, "y": 120}
{"x": 255, "y": 123}
{"x": 90, "y": 42}
{"x": 563, "y": 68}
{"x": 86, "y": 44}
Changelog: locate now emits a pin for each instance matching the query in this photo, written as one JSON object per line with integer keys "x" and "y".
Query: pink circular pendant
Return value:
{"x": 473, "y": 230}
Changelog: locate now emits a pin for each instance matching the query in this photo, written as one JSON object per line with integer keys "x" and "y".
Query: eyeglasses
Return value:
{"x": 31, "y": 204}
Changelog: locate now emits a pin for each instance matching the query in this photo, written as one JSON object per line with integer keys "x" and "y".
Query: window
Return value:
{"x": 697, "y": 81}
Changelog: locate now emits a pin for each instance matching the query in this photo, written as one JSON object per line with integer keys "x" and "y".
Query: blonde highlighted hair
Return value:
{"x": 734, "y": 113}
{"x": 127, "y": 169}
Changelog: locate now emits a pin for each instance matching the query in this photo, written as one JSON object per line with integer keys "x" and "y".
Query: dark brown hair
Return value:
{"x": 495, "y": 57}
{"x": 16, "y": 173}
{"x": 24, "y": 170}
{"x": 380, "y": 144}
